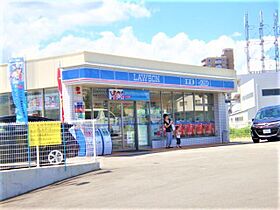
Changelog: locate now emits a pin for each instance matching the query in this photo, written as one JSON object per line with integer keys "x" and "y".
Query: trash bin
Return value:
{"x": 225, "y": 136}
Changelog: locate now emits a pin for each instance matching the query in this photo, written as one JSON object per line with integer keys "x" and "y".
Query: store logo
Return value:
{"x": 189, "y": 81}
{"x": 151, "y": 78}
{"x": 203, "y": 82}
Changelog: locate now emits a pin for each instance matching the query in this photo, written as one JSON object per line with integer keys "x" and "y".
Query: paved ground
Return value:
{"x": 236, "y": 176}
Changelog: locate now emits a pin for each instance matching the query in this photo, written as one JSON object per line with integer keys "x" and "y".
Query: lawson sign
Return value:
{"x": 143, "y": 79}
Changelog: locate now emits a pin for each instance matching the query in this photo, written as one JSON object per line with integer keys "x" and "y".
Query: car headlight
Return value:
{"x": 253, "y": 125}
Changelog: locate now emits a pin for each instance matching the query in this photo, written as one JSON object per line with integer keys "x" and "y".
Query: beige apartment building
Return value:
{"x": 226, "y": 60}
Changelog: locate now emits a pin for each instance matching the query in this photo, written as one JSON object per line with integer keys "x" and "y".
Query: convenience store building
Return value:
{"x": 128, "y": 96}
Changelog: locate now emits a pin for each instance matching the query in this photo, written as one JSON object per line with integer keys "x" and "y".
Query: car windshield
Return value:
{"x": 269, "y": 113}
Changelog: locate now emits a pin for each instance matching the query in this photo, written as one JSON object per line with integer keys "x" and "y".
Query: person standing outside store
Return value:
{"x": 178, "y": 136}
{"x": 168, "y": 128}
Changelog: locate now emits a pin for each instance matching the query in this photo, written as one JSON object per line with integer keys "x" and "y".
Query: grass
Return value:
{"x": 240, "y": 132}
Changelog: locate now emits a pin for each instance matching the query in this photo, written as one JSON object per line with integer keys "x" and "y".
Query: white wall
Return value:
{"x": 255, "y": 83}
{"x": 247, "y": 95}
{"x": 268, "y": 82}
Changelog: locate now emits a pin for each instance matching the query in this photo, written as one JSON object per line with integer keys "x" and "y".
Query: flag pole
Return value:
{"x": 59, "y": 82}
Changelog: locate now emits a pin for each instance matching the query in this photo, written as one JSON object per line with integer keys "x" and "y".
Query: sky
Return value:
{"x": 178, "y": 31}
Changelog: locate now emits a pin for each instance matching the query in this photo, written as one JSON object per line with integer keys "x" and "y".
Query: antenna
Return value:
{"x": 246, "y": 25}
{"x": 261, "y": 40}
{"x": 276, "y": 34}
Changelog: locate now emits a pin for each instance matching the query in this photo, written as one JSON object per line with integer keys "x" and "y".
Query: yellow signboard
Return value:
{"x": 44, "y": 133}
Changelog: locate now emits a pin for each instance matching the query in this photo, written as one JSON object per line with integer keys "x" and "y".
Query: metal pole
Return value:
{"x": 262, "y": 40}
{"x": 27, "y": 123}
{"x": 220, "y": 123}
{"x": 246, "y": 25}
{"x": 38, "y": 156}
{"x": 64, "y": 146}
{"x": 28, "y": 146}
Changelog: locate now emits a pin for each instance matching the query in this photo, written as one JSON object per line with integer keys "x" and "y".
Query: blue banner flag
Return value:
{"x": 16, "y": 73}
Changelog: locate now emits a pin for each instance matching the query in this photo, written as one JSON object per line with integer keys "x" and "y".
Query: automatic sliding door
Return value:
{"x": 128, "y": 125}
{"x": 142, "y": 111}
{"x": 116, "y": 125}
{"x": 122, "y": 125}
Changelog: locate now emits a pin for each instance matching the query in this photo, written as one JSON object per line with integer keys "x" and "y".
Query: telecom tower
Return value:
{"x": 246, "y": 24}
{"x": 261, "y": 40}
{"x": 276, "y": 30}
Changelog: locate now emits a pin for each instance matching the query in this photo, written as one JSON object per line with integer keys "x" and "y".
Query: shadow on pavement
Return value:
{"x": 132, "y": 153}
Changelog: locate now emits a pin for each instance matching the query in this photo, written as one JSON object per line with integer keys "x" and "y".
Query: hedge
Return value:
{"x": 240, "y": 132}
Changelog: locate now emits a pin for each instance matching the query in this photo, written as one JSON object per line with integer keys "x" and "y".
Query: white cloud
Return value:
{"x": 179, "y": 48}
{"x": 26, "y": 23}
{"x": 236, "y": 34}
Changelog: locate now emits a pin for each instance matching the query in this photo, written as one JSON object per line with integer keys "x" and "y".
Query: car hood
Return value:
{"x": 267, "y": 120}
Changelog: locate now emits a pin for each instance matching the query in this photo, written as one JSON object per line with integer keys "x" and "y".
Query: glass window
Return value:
{"x": 271, "y": 92}
{"x": 209, "y": 107}
{"x": 155, "y": 115}
{"x": 268, "y": 113}
{"x": 12, "y": 105}
{"x": 209, "y": 113}
{"x": 209, "y": 99}
{"x": 189, "y": 107}
{"x": 52, "y": 104}
{"x": 35, "y": 103}
{"x": 199, "y": 116}
{"x": 166, "y": 103}
{"x": 100, "y": 106}
{"x": 4, "y": 104}
{"x": 87, "y": 98}
{"x": 178, "y": 106}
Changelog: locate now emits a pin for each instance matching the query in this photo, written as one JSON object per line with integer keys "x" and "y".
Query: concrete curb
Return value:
{"x": 19, "y": 181}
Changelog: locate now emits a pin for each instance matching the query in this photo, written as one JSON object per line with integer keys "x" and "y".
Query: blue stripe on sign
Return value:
{"x": 172, "y": 80}
{"x": 71, "y": 74}
{"x": 106, "y": 74}
{"x": 89, "y": 73}
{"x": 228, "y": 84}
{"x": 121, "y": 75}
{"x": 216, "y": 83}
{"x": 135, "y": 77}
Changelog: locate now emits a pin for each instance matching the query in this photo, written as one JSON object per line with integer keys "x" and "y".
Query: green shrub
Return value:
{"x": 239, "y": 132}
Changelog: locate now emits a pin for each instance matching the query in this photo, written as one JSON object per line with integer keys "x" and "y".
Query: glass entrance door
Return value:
{"x": 115, "y": 125}
{"x": 122, "y": 125}
{"x": 142, "y": 111}
{"x": 128, "y": 126}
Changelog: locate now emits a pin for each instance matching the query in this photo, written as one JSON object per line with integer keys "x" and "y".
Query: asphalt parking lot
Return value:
{"x": 225, "y": 177}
